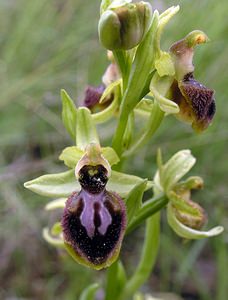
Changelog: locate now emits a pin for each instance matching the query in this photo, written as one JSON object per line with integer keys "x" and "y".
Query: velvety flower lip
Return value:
{"x": 196, "y": 102}
{"x": 93, "y": 227}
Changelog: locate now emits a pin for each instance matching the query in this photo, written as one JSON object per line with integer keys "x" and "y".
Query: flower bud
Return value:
{"x": 125, "y": 26}
{"x": 93, "y": 227}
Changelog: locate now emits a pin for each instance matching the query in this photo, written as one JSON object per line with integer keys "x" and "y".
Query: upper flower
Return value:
{"x": 196, "y": 101}
{"x": 179, "y": 92}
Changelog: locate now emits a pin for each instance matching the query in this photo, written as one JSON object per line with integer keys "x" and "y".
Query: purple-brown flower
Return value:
{"x": 196, "y": 101}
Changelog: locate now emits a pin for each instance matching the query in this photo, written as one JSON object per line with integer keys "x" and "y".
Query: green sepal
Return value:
{"x": 122, "y": 183}
{"x": 159, "y": 87}
{"x": 176, "y": 167}
{"x": 187, "y": 232}
{"x": 86, "y": 132}
{"x": 69, "y": 114}
{"x": 55, "y": 204}
{"x": 179, "y": 165}
{"x": 54, "y": 185}
{"x": 64, "y": 184}
{"x": 53, "y": 240}
{"x": 164, "y": 18}
{"x": 134, "y": 199}
{"x": 71, "y": 156}
{"x": 89, "y": 292}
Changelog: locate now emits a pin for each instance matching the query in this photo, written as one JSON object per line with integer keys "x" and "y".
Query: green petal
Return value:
{"x": 187, "y": 232}
{"x": 71, "y": 156}
{"x": 159, "y": 88}
{"x": 164, "y": 65}
{"x": 176, "y": 167}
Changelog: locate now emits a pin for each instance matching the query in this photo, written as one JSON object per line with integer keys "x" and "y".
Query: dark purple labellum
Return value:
{"x": 93, "y": 226}
{"x": 93, "y": 95}
{"x": 93, "y": 178}
{"x": 196, "y": 102}
{"x": 201, "y": 100}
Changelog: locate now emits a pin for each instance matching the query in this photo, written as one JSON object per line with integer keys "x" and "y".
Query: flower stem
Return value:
{"x": 155, "y": 119}
{"x": 148, "y": 257}
{"x": 122, "y": 61}
{"x": 140, "y": 70}
{"x": 148, "y": 209}
{"x": 111, "y": 281}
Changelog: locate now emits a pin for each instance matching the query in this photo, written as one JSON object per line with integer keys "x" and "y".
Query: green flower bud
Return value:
{"x": 125, "y": 26}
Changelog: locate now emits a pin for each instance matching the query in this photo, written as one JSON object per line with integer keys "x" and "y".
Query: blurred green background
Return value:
{"x": 46, "y": 45}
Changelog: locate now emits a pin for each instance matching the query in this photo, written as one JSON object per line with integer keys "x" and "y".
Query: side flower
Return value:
{"x": 184, "y": 216}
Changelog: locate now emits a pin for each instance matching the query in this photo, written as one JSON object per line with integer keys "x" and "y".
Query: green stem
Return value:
{"x": 148, "y": 257}
{"x": 111, "y": 281}
{"x": 148, "y": 209}
{"x": 116, "y": 280}
{"x": 121, "y": 126}
{"x": 153, "y": 123}
{"x": 122, "y": 62}
{"x": 140, "y": 70}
